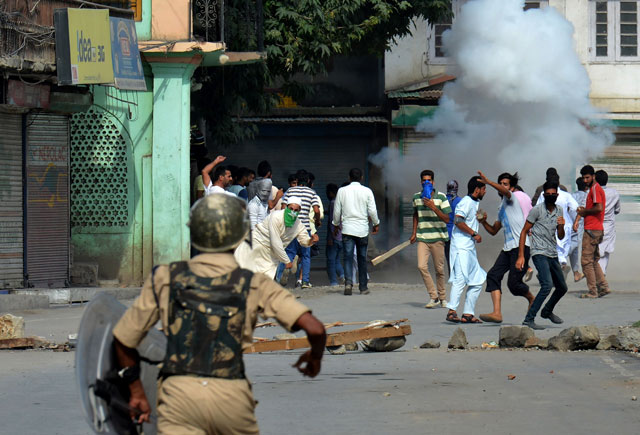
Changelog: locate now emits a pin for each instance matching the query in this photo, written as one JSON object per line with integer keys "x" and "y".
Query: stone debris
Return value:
{"x": 458, "y": 340}
{"x": 608, "y": 343}
{"x": 337, "y": 350}
{"x": 430, "y": 344}
{"x": 351, "y": 347}
{"x": 382, "y": 344}
{"x": 515, "y": 336}
{"x": 576, "y": 338}
{"x": 634, "y": 398}
{"x": 511, "y": 377}
{"x": 386, "y": 394}
{"x": 490, "y": 345}
{"x": 628, "y": 339}
{"x": 11, "y": 327}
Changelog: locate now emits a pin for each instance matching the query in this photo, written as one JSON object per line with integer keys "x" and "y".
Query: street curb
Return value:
{"x": 69, "y": 295}
{"x": 12, "y": 302}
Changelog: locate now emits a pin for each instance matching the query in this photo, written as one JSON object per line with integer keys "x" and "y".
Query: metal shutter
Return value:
{"x": 11, "y": 216}
{"x": 47, "y": 208}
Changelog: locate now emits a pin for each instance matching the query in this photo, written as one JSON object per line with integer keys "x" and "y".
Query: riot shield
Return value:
{"x": 104, "y": 407}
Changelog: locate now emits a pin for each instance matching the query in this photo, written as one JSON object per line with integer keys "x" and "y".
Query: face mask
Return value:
{"x": 550, "y": 199}
{"x": 290, "y": 217}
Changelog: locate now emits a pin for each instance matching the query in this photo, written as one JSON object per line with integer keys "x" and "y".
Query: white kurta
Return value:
{"x": 569, "y": 207}
{"x": 268, "y": 242}
{"x": 462, "y": 253}
{"x": 612, "y": 208}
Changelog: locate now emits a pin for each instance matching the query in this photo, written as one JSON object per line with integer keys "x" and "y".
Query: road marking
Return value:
{"x": 54, "y": 318}
{"x": 614, "y": 365}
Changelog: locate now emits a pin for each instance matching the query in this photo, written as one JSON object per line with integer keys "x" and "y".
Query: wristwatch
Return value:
{"x": 129, "y": 374}
{"x": 474, "y": 234}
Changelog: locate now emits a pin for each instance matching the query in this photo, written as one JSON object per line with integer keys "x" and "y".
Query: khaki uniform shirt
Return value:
{"x": 266, "y": 298}
{"x": 195, "y": 405}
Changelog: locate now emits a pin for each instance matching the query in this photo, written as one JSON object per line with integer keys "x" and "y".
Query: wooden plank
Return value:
{"x": 380, "y": 258}
{"x": 335, "y": 339}
{"x": 17, "y": 343}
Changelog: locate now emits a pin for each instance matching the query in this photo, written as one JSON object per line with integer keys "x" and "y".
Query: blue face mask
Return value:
{"x": 427, "y": 189}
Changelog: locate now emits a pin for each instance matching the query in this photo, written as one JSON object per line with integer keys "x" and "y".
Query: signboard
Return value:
{"x": 23, "y": 95}
{"x": 83, "y": 46}
{"x": 127, "y": 67}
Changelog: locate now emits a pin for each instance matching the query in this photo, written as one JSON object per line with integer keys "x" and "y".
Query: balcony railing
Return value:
{"x": 238, "y": 23}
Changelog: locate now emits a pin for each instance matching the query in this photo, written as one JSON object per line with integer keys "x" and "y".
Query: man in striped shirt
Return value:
{"x": 309, "y": 201}
{"x": 430, "y": 218}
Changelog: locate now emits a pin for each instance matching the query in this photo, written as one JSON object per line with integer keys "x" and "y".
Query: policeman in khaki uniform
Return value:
{"x": 208, "y": 307}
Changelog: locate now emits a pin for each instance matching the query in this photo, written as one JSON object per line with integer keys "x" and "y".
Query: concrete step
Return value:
{"x": 71, "y": 295}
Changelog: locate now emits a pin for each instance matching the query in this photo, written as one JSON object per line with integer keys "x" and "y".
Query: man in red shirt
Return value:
{"x": 593, "y": 214}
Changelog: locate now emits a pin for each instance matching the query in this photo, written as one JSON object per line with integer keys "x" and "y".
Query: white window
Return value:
{"x": 614, "y": 31}
{"x": 434, "y": 31}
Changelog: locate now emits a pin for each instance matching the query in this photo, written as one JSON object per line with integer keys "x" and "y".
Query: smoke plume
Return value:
{"x": 520, "y": 102}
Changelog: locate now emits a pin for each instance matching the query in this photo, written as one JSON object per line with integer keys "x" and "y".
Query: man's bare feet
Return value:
{"x": 577, "y": 276}
{"x": 491, "y": 317}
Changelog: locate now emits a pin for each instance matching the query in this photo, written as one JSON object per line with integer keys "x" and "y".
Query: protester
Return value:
{"x": 198, "y": 185}
{"x": 312, "y": 215}
{"x": 264, "y": 172}
{"x": 512, "y": 218}
{"x": 334, "y": 241}
{"x": 544, "y": 221}
{"x": 241, "y": 181}
{"x": 465, "y": 269}
{"x": 551, "y": 175}
{"x": 270, "y": 237}
{"x": 576, "y": 236}
{"x": 354, "y": 206}
{"x": 593, "y": 214}
{"x": 612, "y": 200}
{"x": 221, "y": 177}
{"x": 454, "y": 199}
{"x": 569, "y": 208}
{"x": 430, "y": 218}
{"x": 309, "y": 201}
{"x": 258, "y": 206}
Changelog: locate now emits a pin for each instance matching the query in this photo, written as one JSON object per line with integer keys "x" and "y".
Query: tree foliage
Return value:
{"x": 300, "y": 37}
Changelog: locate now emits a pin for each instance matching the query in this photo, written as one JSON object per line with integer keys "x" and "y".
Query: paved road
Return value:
{"x": 431, "y": 391}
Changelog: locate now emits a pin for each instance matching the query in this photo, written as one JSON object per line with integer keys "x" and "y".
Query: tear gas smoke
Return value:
{"x": 520, "y": 103}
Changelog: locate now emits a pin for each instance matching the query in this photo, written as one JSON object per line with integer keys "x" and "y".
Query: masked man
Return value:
{"x": 208, "y": 308}
{"x": 258, "y": 192}
{"x": 270, "y": 237}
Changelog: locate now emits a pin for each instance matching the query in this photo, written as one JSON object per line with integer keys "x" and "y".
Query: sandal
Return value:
{"x": 452, "y": 317}
{"x": 588, "y": 296}
{"x": 469, "y": 318}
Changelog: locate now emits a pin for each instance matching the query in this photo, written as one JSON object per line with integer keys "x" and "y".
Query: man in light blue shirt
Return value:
{"x": 353, "y": 208}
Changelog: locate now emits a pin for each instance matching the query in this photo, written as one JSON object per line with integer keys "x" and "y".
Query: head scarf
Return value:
{"x": 452, "y": 188}
{"x": 260, "y": 187}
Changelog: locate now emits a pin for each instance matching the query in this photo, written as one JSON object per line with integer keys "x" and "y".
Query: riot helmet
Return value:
{"x": 219, "y": 222}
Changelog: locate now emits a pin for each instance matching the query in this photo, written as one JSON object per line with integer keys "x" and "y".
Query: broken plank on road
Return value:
{"x": 336, "y": 339}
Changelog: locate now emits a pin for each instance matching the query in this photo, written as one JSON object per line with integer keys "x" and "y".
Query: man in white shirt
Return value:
{"x": 354, "y": 207}
{"x": 221, "y": 177}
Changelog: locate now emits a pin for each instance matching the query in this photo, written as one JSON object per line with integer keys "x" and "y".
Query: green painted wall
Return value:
{"x": 170, "y": 161}
{"x": 118, "y": 250}
{"x": 143, "y": 28}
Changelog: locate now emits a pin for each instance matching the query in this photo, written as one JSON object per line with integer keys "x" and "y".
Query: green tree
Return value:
{"x": 300, "y": 36}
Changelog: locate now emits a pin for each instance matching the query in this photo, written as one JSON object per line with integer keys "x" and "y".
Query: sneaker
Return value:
{"x": 603, "y": 293}
{"x": 577, "y": 276}
{"x": 443, "y": 303}
{"x": 306, "y": 284}
{"x": 348, "y": 289}
{"x": 341, "y": 279}
{"x": 532, "y": 325}
{"x": 555, "y": 319}
{"x": 588, "y": 296}
{"x": 298, "y": 283}
{"x": 333, "y": 284}
{"x": 432, "y": 303}
{"x": 528, "y": 275}
{"x": 364, "y": 291}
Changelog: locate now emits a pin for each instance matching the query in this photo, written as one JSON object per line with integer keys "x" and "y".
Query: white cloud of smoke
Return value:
{"x": 520, "y": 102}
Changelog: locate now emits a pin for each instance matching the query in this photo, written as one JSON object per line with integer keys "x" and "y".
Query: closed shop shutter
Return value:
{"x": 11, "y": 216}
{"x": 47, "y": 208}
{"x": 329, "y": 152}
{"x": 622, "y": 163}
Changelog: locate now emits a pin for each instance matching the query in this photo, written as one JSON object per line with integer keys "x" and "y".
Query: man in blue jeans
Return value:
{"x": 354, "y": 207}
{"x": 544, "y": 220}
{"x": 334, "y": 241}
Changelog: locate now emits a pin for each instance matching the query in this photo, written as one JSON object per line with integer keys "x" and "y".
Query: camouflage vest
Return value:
{"x": 206, "y": 319}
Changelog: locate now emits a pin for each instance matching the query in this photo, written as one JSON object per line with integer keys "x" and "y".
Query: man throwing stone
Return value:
{"x": 430, "y": 218}
{"x": 544, "y": 221}
{"x": 465, "y": 269}
{"x": 511, "y": 217}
